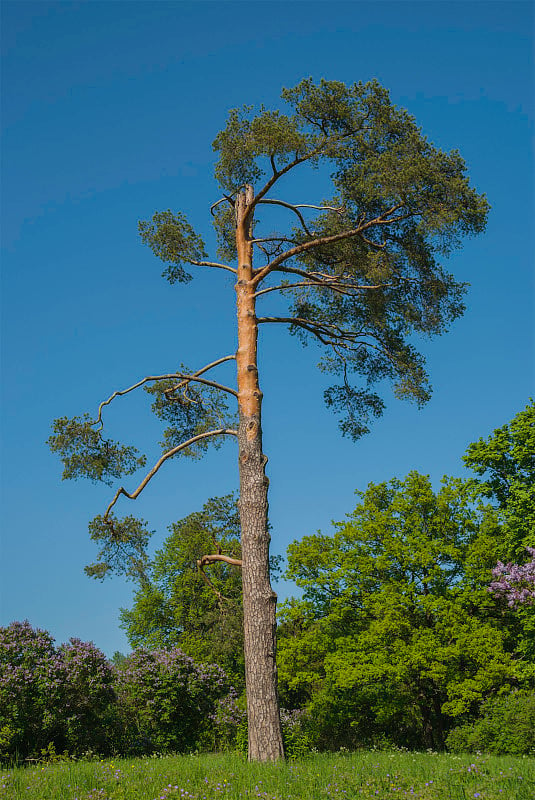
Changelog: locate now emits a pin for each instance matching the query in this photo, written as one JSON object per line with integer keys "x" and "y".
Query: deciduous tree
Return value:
{"x": 184, "y": 603}
{"x": 396, "y": 634}
{"x": 505, "y": 464}
{"x": 361, "y": 273}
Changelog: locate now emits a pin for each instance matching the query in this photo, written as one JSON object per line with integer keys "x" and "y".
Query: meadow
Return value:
{"x": 365, "y": 775}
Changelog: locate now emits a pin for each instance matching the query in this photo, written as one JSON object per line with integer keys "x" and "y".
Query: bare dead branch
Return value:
{"x": 212, "y": 264}
{"x": 226, "y": 197}
{"x": 210, "y": 559}
{"x": 235, "y": 562}
{"x": 162, "y": 460}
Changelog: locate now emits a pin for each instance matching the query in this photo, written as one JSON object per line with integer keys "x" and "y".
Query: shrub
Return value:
{"x": 229, "y": 717}
{"x": 88, "y": 699}
{"x": 52, "y": 696}
{"x": 506, "y": 727}
{"x": 30, "y": 680}
{"x": 166, "y": 700}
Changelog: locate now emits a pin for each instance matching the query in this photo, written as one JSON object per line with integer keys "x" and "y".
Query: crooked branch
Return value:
{"x": 162, "y": 460}
{"x": 333, "y": 335}
{"x": 185, "y": 379}
{"x": 295, "y": 208}
{"x": 210, "y": 559}
{"x": 227, "y": 198}
{"x": 167, "y": 376}
{"x": 237, "y": 562}
{"x": 278, "y": 173}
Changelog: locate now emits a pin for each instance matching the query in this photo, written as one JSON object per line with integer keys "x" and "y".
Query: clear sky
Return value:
{"x": 109, "y": 113}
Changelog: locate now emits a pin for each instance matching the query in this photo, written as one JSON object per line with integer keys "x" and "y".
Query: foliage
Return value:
{"x": 123, "y": 547}
{"x": 396, "y": 634}
{"x": 87, "y": 698}
{"x": 85, "y": 453}
{"x": 178, "y": 608}
{"x": 190, "y": 410}
{"x": 71, "y": 699}
{"x": 172, "y": 238}
{"x": 165, "y": 700}
{"x": 364, "y": 272}
{"x": 228, "y": 723}
{"x": 505, "y": 727}
{"x": 505, "y": 462}
{"x": 61, "y": 695}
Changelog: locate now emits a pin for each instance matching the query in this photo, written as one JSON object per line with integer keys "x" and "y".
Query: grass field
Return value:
{"x": 362, "y": 775}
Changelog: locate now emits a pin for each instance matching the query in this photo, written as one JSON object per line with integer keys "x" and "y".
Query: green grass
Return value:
{"x": 362, "y": 775}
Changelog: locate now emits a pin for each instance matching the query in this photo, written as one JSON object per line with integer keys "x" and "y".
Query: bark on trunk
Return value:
{"x": 259, "y": 599}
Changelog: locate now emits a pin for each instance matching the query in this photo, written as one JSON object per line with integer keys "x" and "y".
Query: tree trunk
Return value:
{"x": 259, "y": 599}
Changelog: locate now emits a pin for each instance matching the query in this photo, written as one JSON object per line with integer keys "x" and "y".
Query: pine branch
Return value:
{"x": 162, "y": 460}
{"x": 382, "y": 219}
{"x": 168, "y": 376}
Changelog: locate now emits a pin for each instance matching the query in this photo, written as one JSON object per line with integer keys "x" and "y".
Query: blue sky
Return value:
{"x": 109, "y": 113}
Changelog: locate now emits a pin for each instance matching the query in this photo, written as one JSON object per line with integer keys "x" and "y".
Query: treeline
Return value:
{"x": 402, "y": 633}
{"x": 415, "y": 628}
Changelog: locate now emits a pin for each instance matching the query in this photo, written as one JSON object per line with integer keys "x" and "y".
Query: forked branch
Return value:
{"x": 168, "y": 376}
{"x": 382, "y": 219}
{"x": 278, "y": 173}
{"x": 334, "y": 285}
{"x": 295, "y": 208}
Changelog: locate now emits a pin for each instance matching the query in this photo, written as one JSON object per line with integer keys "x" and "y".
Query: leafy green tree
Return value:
{"x": 505, "y": 462}
{"x": 361, "y": 272}
{"x": 183, "y": 606}
{"x": 397, "y": 634}
{"x": 505, "y": 465}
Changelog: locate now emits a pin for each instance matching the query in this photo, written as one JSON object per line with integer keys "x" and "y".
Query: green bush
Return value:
{"x": 507, "y": 727}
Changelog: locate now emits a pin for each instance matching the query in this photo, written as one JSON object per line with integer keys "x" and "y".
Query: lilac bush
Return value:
{"x": 226, "y": 720}
{"x": 61, "y": 696}
{"x": 515, "y": 582}
{"x": 88, "y": 698}
{"x": 72, "y": 699}
{"x": 166, "y": 700}
{"x": 28, "y": 665}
